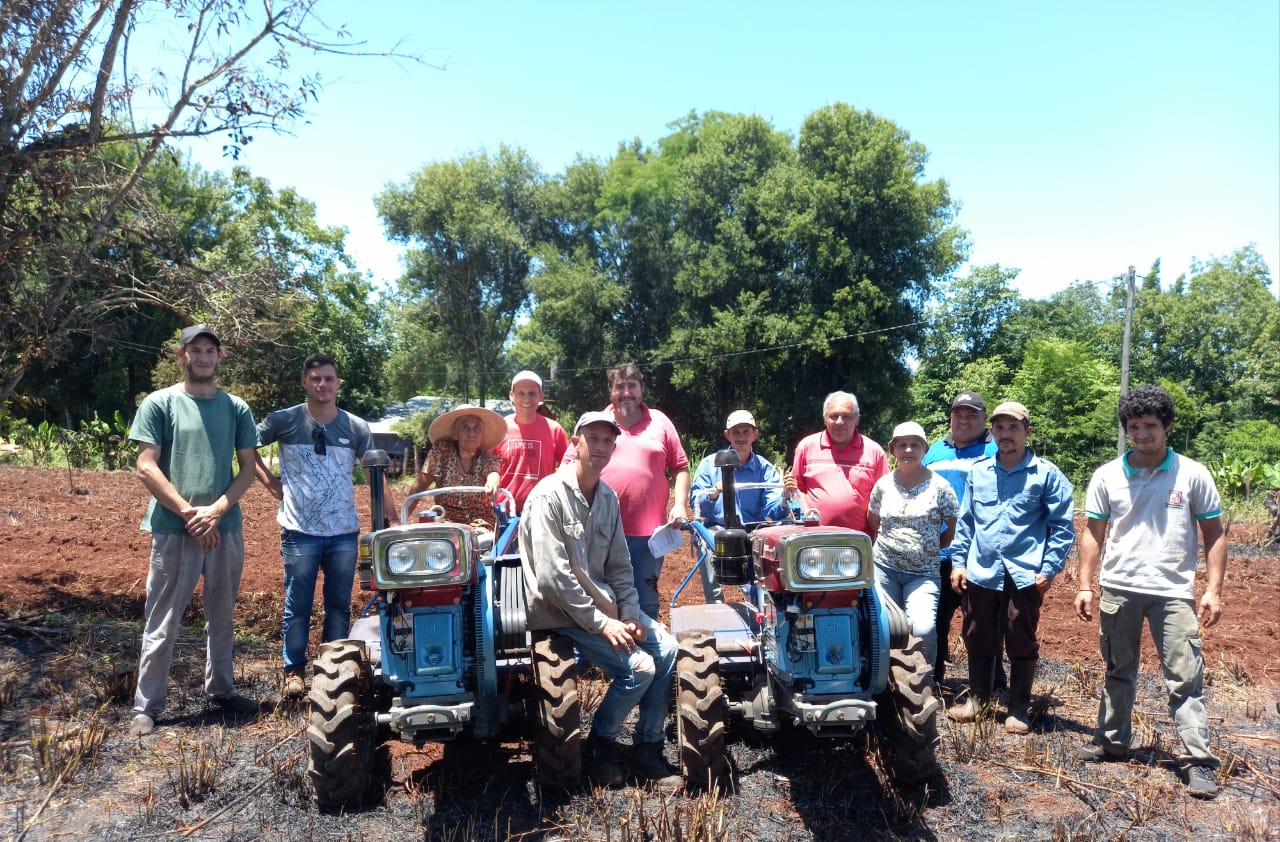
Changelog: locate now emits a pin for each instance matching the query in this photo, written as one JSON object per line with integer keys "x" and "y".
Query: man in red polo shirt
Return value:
{"x": 836, "y": 468}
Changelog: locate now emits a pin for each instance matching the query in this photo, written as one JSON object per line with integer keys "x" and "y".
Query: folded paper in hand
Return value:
{"x": 665, "y": 539}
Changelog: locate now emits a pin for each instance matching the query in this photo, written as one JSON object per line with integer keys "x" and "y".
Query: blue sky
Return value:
{"x": 1079, "y": 138}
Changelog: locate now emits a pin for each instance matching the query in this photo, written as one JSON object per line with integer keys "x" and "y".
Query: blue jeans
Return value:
{"x": 1176, "y": 633}
{"x": 641, "y": 677}
{"x": 305, "y": 556}
{"x": 917, "y": 594}
{"x": 646, "y": 568}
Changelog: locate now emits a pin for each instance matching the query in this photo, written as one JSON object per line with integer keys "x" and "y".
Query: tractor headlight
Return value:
{"x": 418, "y": 556}
{"x": 825, "y": 559}
{"x": 829, "y": 563}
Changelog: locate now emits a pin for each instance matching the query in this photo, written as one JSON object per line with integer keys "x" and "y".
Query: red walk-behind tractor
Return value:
{"x": 815, "y": 645}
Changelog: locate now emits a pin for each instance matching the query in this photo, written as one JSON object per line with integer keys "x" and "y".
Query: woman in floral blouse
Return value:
{"x": 912, "y": 512}
{"x": 462, "y": 444}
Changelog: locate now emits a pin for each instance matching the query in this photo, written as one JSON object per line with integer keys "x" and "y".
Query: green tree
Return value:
{"x": 752, "y": 270}
{"x": 471, "y": 226}
{"x": 1071, "y": 394}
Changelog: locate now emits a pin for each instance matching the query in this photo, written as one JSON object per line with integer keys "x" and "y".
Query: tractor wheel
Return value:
{"x": 557, "y": 740}
{"x": 911, "y": 729}
{"x": 342, "y": 726}
{"x": 702, "y": 711}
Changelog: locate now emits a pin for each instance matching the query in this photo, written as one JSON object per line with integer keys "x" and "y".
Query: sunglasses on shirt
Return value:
{"x": 317, "y": 440}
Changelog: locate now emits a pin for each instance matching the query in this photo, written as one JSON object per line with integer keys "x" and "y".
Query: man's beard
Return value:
{"x": 201, "y": 379}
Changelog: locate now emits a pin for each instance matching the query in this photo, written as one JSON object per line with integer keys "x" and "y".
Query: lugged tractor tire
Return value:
{"x": 702, "y": 711}
{"x": 343, "y": 724}
{"x": 557, "y": 738}
{"x": 911, "y": 726}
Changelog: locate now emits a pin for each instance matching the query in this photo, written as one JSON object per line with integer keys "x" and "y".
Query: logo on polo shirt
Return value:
{"x": 1176, "y": 500}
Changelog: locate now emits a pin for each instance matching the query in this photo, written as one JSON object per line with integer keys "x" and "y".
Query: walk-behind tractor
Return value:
{"x": 815, "y": 646}
{"x": 441, "y": 653}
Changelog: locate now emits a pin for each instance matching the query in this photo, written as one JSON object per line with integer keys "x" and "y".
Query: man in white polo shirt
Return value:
{"x": 1155, "y": 501}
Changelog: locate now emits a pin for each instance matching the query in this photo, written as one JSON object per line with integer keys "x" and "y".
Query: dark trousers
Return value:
{"x": 1011, "y": 612}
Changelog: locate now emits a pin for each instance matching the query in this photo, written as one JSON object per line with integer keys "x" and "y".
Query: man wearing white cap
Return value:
{"x": 1014, "y": 535}
{"x": 534, "y": 444}
{"x": 754, "y": 504}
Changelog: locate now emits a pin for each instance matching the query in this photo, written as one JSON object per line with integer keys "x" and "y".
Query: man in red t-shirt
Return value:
{"x": 836, "y": 469}
{"x": 534, "y": 444}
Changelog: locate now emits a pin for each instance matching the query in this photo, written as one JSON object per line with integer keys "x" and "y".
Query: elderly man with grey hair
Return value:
{"x": 836, "y": 469}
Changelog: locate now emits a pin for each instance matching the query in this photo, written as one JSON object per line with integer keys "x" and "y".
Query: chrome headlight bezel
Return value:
{"x": 422, "y": 556}
{"x": 828, "y": 561}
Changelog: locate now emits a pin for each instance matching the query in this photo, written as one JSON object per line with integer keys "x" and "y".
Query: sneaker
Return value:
{"x": 236, "y": 704}
{"x": 650, "y": 764}
{"x": 1201, "y": 782}
{"x": 141, "y": 725}
{"x": 602, "y": 761}
{"x": 1094, "y": 753}
{"x": 295, "y": 686}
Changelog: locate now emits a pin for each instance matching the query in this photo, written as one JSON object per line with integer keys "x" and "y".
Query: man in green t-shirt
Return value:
{"x": 187, "y": 435}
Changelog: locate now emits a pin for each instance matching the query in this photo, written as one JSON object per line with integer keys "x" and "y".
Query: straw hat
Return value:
{"x": 495, "y": 428}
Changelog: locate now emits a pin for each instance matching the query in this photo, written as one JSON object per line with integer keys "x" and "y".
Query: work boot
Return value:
{"x": 650, "y": 764}
{"x": 1022, "y": 674}
{"x": 981, "y": 673}
{"x": 603, "y": 761}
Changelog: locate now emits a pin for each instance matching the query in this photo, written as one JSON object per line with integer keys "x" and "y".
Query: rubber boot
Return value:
{"x": 981, "y": 674}
{"x": 1022, "y": 673}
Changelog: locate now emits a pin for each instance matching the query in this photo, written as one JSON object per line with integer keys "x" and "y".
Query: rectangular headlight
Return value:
{"x": 417, "y": 556}
{"x": 835, "y": 559}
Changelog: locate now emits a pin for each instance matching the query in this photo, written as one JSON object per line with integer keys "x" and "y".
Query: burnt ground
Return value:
{"x": 72, "y": 585}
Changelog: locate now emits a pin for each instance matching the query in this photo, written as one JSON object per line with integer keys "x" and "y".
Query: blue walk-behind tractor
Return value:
{"x": 441, "y": 654}
{"x": 815, "y": 645}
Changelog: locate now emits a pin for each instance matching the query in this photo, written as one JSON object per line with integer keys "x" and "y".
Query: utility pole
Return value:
{"x": 1124, "y": 351}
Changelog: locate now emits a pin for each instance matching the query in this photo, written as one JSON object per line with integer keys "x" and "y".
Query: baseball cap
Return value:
{"x": 526, "y": 375}
{"x": 908, "y": 430}
{"x": 596, "y": 417}
{"x": 970, "y": 399}
{"x": 1014, "y": 410}
{"x": 190, "y": 333}
{"x": 739, "y": 416}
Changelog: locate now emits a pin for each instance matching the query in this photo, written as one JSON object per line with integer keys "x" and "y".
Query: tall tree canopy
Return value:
{"x": 471, "y": 226}
{"x": 741, "y": 268}
{"x": 86, "y": 237}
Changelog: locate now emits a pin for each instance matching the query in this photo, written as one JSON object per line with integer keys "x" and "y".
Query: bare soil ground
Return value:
{"x": 72, "y": 585}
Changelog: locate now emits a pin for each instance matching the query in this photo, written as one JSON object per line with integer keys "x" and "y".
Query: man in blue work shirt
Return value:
{"x": 1014, "y": 534}
{"x": 754, "y": 504}
{"x": 952, "y": 458}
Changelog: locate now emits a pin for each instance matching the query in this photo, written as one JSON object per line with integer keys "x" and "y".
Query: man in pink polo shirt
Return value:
{"x": 648, "y": 459}
{"x": 835, "y": 469}
{"x": 534, "y": 444}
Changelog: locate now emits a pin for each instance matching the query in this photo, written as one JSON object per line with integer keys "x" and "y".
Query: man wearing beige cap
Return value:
{"x": 1013, "y": 537}
{"x": 534, "y": 444}
{"x": 754, "y": 504}
{"x": 578, "y": 583}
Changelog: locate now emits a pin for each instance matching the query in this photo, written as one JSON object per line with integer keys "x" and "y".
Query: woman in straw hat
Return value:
{"x": 912, "y": 512}
{"x": 462, "y": 443}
